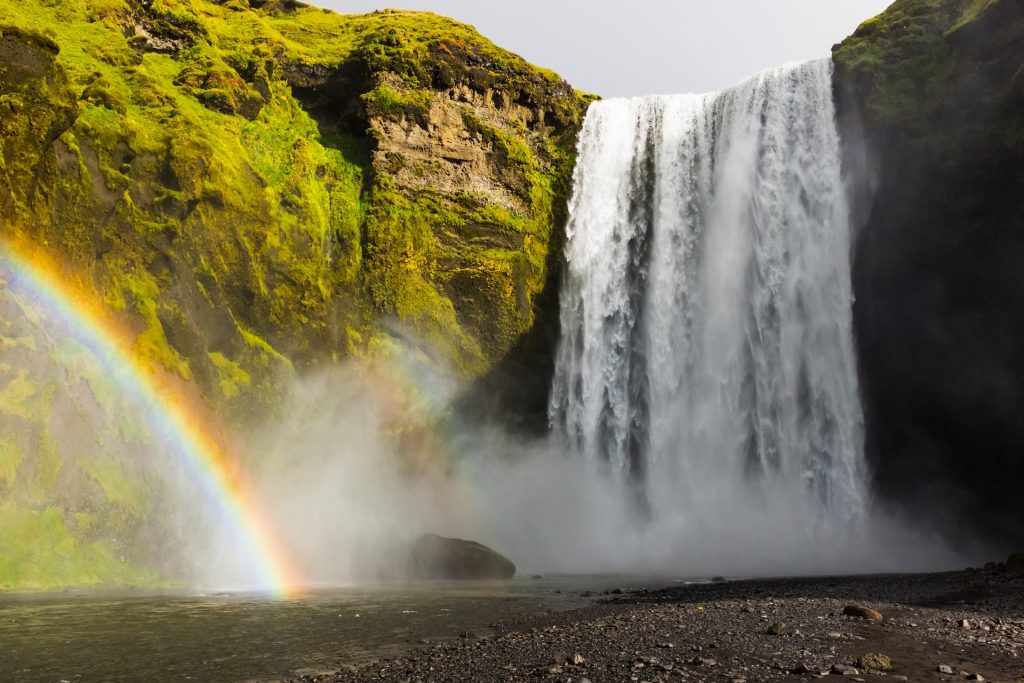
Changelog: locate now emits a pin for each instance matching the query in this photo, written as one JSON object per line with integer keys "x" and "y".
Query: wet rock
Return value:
{"x": 862, "y": 612}
{"x": 844, "y": 670}
{"x": 875, "y": 662}
{"x": 436, "y": 557}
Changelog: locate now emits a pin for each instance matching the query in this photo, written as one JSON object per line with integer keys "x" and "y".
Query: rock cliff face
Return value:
{"x": 257, "y": 188}
{"x": 932, "y": 92}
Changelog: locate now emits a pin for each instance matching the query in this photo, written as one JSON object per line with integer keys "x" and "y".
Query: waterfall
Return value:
{"x": 707, "y": 358}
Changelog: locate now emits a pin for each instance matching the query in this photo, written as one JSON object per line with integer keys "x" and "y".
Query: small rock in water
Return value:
{"x": 862, "y": 612}
{"x": 844, "y": 670}
{"x": 875, "y": 662}
{"x": 944, "y": 669}
{"x": 777, "y": 630}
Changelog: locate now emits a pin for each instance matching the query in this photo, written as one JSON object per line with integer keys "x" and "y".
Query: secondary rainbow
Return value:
{"x": 173, "y": 416}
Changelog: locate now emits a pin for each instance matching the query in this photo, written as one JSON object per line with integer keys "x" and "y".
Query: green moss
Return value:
{"x": 230, "y": 376}
{"x": 16, "y": 397}
{"x": 119, "y": 487}
{"x": 208, "y": 169}
{"x": 10, "y": 458}
{"x": 40, "y": 550}
{"x": 905, "y": 55}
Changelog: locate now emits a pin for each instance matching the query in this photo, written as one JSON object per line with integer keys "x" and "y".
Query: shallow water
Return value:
{"x": 245, "y": 637}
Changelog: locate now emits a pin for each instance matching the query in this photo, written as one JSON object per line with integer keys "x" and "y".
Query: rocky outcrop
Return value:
{"x": 257, "y": 189}
{"x": 437, "y": 557}
{"x": 929, "y": 97}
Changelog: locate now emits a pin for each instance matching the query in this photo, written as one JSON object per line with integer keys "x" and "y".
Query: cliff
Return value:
{"x": 255, "y": 188}
{"x": 930, "y": 95}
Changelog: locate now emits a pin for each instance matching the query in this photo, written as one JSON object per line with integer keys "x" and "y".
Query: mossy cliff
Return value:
{"x": 261, "y": 187}
{"x": 930, "y": 97}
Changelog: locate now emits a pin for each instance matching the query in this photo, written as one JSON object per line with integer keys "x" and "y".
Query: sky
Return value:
{"x": 644, "y": 47}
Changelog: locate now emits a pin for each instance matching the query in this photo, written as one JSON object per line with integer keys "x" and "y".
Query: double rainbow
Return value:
{"x": 174, "y": 416}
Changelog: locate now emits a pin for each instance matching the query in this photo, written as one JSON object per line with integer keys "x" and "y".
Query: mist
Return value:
{"x": 368, "y": 456}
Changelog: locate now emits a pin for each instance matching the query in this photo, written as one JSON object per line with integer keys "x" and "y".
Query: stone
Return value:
{"x": 944, "y": 669}
{"x": 777, "y": 630}
{"x": 437, "y": 557}
{"x": 844, "y": 670}
{"x": 875, "y": 662}
{"x": 862, "y": 612}
{"x": 577, "y": 660}
{"x": 803, "y": 669}
{"x": 965, "y": 624}
{"x": 975, "y": 677}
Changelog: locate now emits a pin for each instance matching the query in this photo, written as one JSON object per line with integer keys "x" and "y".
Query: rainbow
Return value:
{"x": 174, "y": 416}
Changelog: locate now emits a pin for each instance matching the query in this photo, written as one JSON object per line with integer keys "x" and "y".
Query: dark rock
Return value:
{"x": 436, "y": 557}
{"x": 777, "y": 630}
{"x": 974, "y": 677}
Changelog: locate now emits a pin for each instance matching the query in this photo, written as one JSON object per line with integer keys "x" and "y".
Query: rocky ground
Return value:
{"x": 933, "y": 627}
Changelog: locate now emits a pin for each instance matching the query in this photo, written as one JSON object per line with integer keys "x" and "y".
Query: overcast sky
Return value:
{"x": 642, "y": 47}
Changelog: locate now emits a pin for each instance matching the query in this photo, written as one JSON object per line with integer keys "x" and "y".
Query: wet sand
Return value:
{"x": 752, "y": 630}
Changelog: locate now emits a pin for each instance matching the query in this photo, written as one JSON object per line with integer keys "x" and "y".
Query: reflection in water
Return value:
{"x": 238, "y": 637}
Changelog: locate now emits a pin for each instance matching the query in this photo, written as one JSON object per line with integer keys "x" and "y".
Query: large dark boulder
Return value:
{"x": 436, "y": 557}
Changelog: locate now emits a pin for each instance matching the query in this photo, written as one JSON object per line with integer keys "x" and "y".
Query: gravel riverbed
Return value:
{"x": 954, "y": 626}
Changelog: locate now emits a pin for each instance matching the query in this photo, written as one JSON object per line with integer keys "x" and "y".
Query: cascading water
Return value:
{"x": 707, "y": 357}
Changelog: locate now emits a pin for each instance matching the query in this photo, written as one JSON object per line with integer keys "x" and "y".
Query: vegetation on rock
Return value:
{"x": 932, "y": 91}
{"x": 255, "y": 186}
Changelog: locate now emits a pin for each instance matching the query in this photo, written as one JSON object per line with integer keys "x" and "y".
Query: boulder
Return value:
{"x": 862, "y": 612}
{"x": 437, "y": 557}
{"x": 875, "y": 662}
